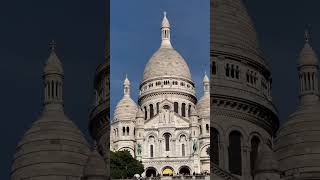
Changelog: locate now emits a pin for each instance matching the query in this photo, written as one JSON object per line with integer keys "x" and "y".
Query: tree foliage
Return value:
{"x": 123, "y": 165}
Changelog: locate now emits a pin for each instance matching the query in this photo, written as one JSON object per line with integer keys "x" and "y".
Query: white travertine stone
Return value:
{"x": 166, "y": 81}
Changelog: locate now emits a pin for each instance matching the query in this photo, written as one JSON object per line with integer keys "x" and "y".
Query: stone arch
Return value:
{"x": 244, "y": 135}
{"x": 185, "y": 170}
{"x": 252, "y": 135}
{"x": 152, "y": 134}
{"x": 130, "y": 149}
{"x": 151, "y": 172}
{"x": 235, "y": 149}
{"x": 167, "y": 138}
{"x": 167, "y": 171}
{"x": 204, "y": 148}
{"x": 218, "y": 128}
{"x": 182, "y": 133}
{"x": 255, "y": 144}
{"x": 164, "y": 132}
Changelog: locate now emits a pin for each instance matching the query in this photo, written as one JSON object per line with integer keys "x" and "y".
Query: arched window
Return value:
{"x": 151, "y": 151}
{"x": 145, "y": 113}
{"x": 123, "y": 131}
{"x": 189, "y": 111}
{"x": 167, "y": 141}
{"x": 183, "y": 151}
{"x": 151, "y": 111}
{"x": 214, "y": 139}
{"x": 200, "y": 129}
{"x": 175, "y": 107}
{"x": 255, "y": 141}
{"x": 214, "y": 68}
{"x": 183, "y": 110}
{"x": 207, "y": 128}
{"x": 127, "y": 131}
{"x": 235, "y": 159}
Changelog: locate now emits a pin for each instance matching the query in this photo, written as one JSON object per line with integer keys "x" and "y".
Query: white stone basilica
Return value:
{"x": 169, "y": 128}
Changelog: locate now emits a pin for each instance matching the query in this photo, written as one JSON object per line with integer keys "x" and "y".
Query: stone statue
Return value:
{"x": 139, "y": 149}
{"x": 195, "y": 147}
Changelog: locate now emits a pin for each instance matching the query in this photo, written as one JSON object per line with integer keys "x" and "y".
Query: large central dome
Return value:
{"x": 166, "y": 61}
{"x": 233, "y": 30}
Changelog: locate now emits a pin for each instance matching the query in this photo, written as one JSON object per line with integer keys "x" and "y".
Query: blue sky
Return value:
{"x": 135, "y": 36}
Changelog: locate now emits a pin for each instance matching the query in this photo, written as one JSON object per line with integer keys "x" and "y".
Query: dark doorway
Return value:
{"x": 151, "y": 172}
{"x": 184, "y": 170}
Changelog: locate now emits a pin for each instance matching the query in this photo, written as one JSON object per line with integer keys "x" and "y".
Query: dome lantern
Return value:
{"x": 308, "y": 73}
{"x": 165, "y": 32}
{"x": 126, "y": 86}
{"x": 206, "y": 86}
{"x": 53, "y": 81}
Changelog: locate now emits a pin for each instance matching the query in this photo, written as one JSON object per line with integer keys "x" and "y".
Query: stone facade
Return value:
{"x": 245, "y": 139}
{"x": 169, "y": 128}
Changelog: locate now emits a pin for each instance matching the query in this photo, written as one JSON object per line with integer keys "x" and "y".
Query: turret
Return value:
{"x": 165, "y": 32}
{"x": 53, "y": 81}
{"x": 308, "y": 74}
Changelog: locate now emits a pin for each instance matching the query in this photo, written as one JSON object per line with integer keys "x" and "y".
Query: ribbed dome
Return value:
{"x": 233, "y": 30}
{"x": 96, "y": 166}
{"x": 126, "y": 109}
{"x": 307, "y": 56}
{"x": 53, "y": 65}
{"x": 53, "y": 148}
{"x": 298, "y": 142}
{"x": 166, "y": 62}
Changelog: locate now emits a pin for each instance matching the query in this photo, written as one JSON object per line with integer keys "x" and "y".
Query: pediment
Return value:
{"x": 167, "y": 118}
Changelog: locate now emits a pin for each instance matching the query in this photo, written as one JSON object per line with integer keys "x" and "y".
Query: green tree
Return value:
{"x": 123, "y": 165}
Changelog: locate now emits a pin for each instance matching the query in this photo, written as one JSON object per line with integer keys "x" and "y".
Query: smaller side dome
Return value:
{"x": 53, "y": 65}
{"x": 126, "y": 108}
{"x": 307, "y": 54}
{"x": 96, "y": 166}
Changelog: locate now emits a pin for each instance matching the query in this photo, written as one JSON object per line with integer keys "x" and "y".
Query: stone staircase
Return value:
{"x": 221, "y": 173}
